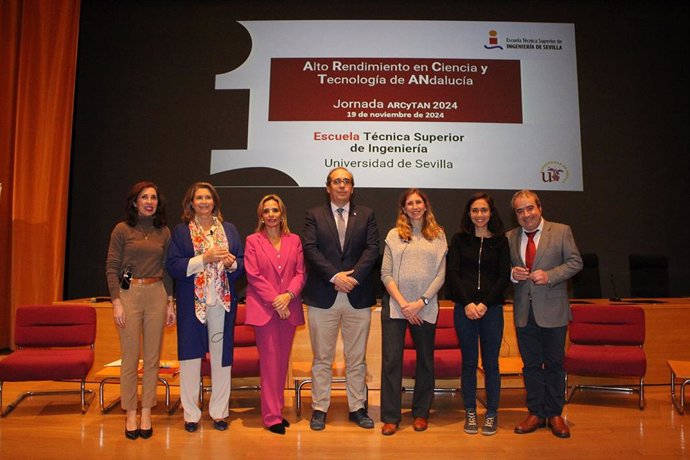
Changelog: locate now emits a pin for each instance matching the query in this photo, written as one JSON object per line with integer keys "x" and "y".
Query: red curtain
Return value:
{"x": 38, "y": 55}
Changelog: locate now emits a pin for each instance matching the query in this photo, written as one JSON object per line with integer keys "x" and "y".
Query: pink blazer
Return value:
{"x": 271, "y": 272}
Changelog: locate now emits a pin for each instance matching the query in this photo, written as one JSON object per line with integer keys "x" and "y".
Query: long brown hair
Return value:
{"x": 430, "y": 228}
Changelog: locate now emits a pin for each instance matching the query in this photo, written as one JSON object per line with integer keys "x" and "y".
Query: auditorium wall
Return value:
{"x": 146, "y": 108}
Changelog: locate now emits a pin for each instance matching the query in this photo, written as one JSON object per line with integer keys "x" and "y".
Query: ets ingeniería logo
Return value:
{"x": 493, "y": 41}
{"x": 554, "y": 171}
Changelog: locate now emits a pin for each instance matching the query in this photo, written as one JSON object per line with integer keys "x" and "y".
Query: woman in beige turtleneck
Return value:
{"x": 141, "y": 293}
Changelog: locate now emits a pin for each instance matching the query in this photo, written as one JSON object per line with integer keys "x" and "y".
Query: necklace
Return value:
{"x": 144, "y": 232}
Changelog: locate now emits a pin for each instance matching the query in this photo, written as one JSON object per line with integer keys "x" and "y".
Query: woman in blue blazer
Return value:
{"x": 205, "y": 258}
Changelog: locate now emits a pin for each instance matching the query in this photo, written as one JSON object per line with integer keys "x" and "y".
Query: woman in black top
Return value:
{"x": 478, "y": 272}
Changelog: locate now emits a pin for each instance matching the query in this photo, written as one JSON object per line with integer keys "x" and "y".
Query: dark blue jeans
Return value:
{"x": 542, "y": 351}
{"x": 487, "y": 331}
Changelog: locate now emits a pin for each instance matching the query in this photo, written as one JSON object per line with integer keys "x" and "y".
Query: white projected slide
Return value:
{"x": 411, "y": 103}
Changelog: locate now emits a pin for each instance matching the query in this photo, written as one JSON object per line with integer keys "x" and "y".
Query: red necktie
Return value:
{"x": 531, "y": 249}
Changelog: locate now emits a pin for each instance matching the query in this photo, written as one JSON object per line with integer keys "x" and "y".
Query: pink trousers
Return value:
{"x": 274, "y": 341}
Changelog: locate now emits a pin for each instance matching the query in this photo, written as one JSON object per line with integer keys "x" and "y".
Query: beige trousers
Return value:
{"x": 323, "y": 331}
{"x": 145, "y": 308}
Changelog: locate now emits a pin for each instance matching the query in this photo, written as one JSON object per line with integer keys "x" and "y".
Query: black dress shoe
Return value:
{"x": 191, "y": 426}
{"x": 285, "y": 423}
{"x": 134, "y": 434}
{"x": 361, "y": 418}
{"x": 318, "y": 420}
{"x": 145, "y": 434}
{"x": 278, "y": 428}
{"x": 220, "y": 425}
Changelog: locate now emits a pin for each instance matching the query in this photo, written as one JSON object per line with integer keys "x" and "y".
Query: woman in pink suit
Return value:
{"x": 274, "y": 263}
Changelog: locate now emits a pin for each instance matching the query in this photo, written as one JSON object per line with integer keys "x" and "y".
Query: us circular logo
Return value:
{"x": 554, "y": 171}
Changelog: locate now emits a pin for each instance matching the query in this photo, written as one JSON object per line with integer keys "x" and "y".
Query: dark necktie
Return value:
{"x": 531, "y": 249}
{"x": 341, "y": 227}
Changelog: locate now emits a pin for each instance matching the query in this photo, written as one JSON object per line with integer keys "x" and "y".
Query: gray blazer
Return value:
{"x": 558, "y": 256}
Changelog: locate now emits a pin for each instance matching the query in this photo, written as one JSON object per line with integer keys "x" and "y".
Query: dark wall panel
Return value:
{"x": 145, "y": 107}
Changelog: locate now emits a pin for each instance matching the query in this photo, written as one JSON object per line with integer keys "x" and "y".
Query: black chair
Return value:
{"x": 587, "y": 283}
{"x": 648, "y": 275}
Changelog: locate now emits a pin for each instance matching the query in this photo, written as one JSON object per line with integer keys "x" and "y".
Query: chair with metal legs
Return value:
{"x": 606, "y": 341}
{"x": 54, "y": 342}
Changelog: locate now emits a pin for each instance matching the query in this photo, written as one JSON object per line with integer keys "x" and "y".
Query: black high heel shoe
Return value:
{"x": 134, "y": 434}
{"x": 191, "y": 426}
{"x": 145, "y": 434}
{"x": 278, "y": 428}
{"x": 285, "y": 423}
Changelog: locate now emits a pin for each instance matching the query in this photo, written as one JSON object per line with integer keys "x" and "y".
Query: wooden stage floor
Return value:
{"x": 603, "y": 425}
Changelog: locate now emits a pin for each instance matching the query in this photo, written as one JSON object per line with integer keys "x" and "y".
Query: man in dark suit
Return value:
{"x": 544, "y": 256}
{"x": 341, "y": 245}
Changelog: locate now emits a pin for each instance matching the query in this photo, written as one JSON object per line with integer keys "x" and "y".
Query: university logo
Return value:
{"x": 554, "y": 171}
{"x": 493, "y": 41}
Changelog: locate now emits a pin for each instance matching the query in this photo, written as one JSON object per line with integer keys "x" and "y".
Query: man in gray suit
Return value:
{"x": 544, "y": 256}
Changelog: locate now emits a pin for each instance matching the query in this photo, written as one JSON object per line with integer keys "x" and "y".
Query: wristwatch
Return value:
{"x": 425, "y": 300}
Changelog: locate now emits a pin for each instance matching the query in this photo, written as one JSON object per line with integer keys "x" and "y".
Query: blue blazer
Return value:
{"x": 192, "y": 336}
{"x": 325, "y": 258}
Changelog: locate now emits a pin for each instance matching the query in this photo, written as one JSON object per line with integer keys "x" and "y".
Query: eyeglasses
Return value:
{"x": 344, "y": 181}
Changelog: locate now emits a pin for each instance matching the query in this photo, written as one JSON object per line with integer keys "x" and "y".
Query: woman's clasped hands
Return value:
{"x": 219, "y": 254}
{"x": 280, "y": 303}
{"x": 410, "y": 311}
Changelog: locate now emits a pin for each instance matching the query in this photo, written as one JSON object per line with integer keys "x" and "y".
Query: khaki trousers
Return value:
{"x": 145, "y": 308}
{"x": 323, "y": 331}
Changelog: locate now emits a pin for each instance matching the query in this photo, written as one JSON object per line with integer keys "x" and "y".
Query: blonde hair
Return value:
{"x": 430, "y": 228}
{"x": 284, "y": 229}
